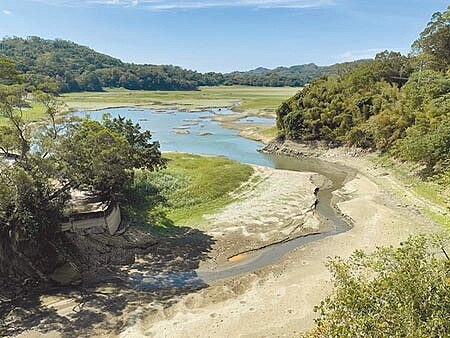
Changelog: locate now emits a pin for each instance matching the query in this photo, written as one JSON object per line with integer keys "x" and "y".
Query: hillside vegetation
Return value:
{"x": 394, "y": 104}
{"x": 77, "y": 68}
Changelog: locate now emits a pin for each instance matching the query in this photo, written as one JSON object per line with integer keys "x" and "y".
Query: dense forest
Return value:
{"x": 393, "y": 104}
{"x": 78, "y": 68}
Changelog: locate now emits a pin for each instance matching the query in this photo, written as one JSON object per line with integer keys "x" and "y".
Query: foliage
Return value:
{"x": 9, "y": 74}
{"x": 358, "y": 108}
{"x": 30, "y": 201}
{"x": 145, "y": 153}
{"x": 95, "y": 158}
{"x": 390, "y": 104}
{"x": 50, "y": 158}
{"x": 393, "y": 292}
{"x": 78, "y": 68}
{"x": 30, "y": 206}
{"x": 433, "y": 44}
{"x": 295, "y": 76}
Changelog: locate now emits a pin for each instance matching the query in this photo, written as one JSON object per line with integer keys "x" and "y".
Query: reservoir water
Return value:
{"x": 191, "y": 132}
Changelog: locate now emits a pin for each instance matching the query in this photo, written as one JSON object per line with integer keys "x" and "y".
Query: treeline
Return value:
{"x": 78, "y": 68}
{"x": 394, "y": 103}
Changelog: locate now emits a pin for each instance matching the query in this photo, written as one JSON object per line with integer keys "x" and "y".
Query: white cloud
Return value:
{"x": 196, "y": 4}
{"x": 367, "y": 53}
{"x": 6, "y": 12}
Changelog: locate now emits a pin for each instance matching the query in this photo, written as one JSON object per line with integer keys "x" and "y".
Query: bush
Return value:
{"x": 393, "y": 292}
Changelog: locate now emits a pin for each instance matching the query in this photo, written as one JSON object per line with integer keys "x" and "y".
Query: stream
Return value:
{"x": 198, "y": 133}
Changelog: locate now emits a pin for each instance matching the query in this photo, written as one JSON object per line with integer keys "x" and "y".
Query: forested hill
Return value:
{"x": 394, "y": 103}
{"x": 295, "y": 76}
{"x": 78, "y": 68}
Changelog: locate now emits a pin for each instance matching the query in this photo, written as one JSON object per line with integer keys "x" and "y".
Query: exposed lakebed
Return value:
{"x": 199, "y": 133}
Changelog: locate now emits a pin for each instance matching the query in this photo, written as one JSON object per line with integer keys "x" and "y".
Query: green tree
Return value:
{"x": 9, "y": 73}
{"x": 433, "y": 44}
{"x": 12, "y": 103}
{"x": 402, "y": 292}
{"x": 95, "y": 158}
{"x": 145, "y": 152}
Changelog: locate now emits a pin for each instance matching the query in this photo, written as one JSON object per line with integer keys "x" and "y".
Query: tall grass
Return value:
{"x": 190, "y": 187}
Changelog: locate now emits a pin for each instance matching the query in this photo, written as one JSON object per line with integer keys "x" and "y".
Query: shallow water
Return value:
{"x": 226, "y": 142}
{"x": 163, "y": 125}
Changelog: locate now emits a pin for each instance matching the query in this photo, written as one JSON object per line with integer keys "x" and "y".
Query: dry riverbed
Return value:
{"x": 277, "y": 300}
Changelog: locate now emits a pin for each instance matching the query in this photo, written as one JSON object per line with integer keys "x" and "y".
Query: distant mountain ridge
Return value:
{"x": 79, "y": 68}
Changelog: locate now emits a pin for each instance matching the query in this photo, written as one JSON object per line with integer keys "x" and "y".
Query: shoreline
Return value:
{"x": 251, "y": 131}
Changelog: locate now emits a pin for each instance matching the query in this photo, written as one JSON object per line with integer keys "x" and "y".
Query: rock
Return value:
{"x": 67, "y": 274}
{"x": 181, "y": 131}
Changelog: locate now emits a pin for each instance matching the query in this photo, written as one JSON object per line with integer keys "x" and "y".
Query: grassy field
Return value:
{"x": 188, "y": 188}
{"x": 259, "y": 100}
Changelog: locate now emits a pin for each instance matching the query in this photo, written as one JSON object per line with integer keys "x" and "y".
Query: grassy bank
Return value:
{"x": 431, "y": 190}
{"x": 188, "y": 188}
{"x": 250, "y": 99}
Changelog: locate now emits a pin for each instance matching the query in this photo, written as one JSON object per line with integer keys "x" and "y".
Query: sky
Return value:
{"x": 225, "y": 35}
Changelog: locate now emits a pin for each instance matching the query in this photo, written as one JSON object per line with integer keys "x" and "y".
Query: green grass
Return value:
{"x": 439, "y": 218}
{"x": 271, "y": 132}
{"x": 35, "y": 112}
{"x": 252, "y": 99}
{"x": 190, "y": 187}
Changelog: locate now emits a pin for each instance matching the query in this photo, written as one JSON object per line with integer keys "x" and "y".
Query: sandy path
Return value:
{"x": 278, "y": 301}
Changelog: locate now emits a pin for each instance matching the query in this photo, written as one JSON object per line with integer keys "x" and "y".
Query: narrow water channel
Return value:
{"x": 337, "y": 174}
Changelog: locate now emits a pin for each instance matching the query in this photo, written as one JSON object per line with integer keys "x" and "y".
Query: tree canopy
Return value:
{"x": 402, "y": 292}
{"x": 433, "y": 44}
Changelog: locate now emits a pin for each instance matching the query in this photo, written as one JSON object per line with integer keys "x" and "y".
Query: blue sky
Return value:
{"x": 225, "y": 35}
